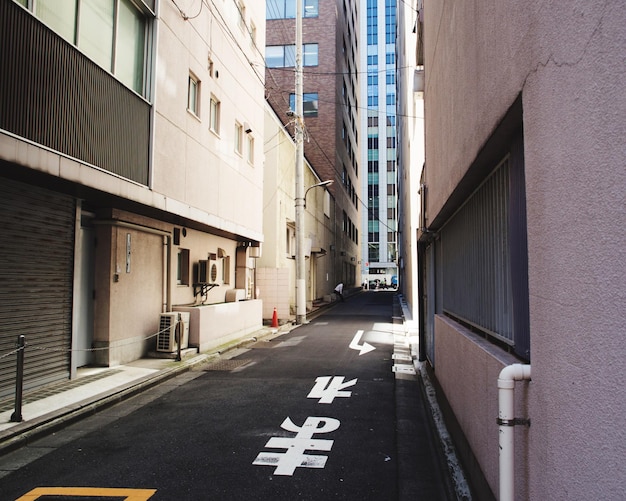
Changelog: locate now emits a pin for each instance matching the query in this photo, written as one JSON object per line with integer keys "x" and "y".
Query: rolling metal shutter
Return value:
{"x": 36, "y": 268}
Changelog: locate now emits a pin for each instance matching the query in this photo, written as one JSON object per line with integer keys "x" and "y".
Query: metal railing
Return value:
{"x": 22, "y": 345}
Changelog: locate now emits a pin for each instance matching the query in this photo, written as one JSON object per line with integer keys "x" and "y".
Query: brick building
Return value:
{"x": 330, "y": 68}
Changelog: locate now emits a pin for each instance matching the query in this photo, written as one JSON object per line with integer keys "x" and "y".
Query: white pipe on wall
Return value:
{"x": 506, "y": 421}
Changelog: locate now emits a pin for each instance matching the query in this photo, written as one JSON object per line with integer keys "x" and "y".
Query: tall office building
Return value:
{"x": 331, "y": 118}
{"x": 379, "y": 246}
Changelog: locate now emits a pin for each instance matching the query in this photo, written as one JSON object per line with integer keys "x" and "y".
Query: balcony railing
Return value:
{"x": 53, "y": 95}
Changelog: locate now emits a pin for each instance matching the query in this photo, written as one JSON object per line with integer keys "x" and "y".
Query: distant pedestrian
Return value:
{"x": 339, "y": 290}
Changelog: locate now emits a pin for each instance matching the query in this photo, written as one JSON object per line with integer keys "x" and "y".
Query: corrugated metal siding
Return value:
{"x": 54, "y": 95}
{"x": 36, "y": 268}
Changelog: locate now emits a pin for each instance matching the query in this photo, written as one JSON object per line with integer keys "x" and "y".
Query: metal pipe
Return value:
{"x": 506, "y": 422}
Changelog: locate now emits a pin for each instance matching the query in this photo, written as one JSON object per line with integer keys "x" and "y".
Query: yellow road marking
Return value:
{"x": 127, "y": 494}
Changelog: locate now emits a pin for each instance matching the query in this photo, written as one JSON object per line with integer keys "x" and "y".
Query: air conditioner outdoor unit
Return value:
{"x": 166, "y": 339}
{"x": 206, "y": 272}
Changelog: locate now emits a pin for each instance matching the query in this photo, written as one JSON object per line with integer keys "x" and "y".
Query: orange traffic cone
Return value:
{"x": 275, "y": 319}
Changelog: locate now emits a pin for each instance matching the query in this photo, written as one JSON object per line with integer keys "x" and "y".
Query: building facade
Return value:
{"x": 379, "y": 245}
{"x": 276, "y": 267}
{"x": 132, "y": 178}
{"x": 331, "y": 108}
{"x": 523, "y": 241}
{"x": 410, "y": 149}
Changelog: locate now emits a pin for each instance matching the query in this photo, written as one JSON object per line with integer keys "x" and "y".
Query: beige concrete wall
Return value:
{"x": 218, "y": 325}
{"x": 197, "y": 170}
{"x": 276, "y": 268}
{"x": 567, "y": 61}
{"x": 128, "y": 305}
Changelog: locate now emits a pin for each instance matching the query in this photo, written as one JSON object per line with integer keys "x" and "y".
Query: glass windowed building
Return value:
{"x": 379, "y": 247}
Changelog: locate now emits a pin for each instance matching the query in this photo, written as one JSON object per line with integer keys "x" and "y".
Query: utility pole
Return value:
{"x": 299, "y": 133}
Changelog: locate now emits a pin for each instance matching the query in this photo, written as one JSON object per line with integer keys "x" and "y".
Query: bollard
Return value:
{"x": 179, "y": 337}
{"x": 16, "y": 417}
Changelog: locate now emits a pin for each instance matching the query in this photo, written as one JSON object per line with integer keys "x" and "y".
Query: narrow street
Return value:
{"x": 307, "y": 415}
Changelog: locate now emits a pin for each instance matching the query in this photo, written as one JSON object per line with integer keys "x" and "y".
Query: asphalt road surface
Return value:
{"x": 308, "y": 415}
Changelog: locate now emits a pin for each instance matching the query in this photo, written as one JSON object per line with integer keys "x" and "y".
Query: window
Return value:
{"x": 310, "y": 54}
{"x": 373, "y": 252}
{"x": 112, "y": 33}
{"x": 226, "y": 269}
{"x": 286, "y": 9}
{"x": 490, "y": 266}
{"x": 284, "y": 56}
{"x": 310, "y": 103}
{"x": 129, "y": 54}
{"x": 182, "y": 268}
{"x": 238, "y": 138}
{"x": 95, "y": 34}
{"x": 193, "y": 95}
{"x": 215, "y": 115}
{"x": 250, "y": 148}
{"x": 290, "y": 239}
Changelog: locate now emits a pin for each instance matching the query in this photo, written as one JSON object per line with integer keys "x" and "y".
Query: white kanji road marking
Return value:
{"x": 327, "y": 388}
{"x": 294, "y": 455}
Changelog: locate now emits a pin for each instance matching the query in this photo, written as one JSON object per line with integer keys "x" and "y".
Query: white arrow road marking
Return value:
{"x": 364, "y": 348}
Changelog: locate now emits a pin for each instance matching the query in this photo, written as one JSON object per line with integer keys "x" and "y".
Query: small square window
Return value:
{"x": 182, "y": 268}
{"x": 310, "y": 103}
{"x": 238, "y": 138}
{"x": 226, "y": 269}
{"x": 290, "y": 239}
{"x": 193, "y": 95}
{"x": 215, "y": 115}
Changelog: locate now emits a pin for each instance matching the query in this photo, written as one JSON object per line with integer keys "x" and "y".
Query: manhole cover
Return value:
{"x": 227, "y": 365}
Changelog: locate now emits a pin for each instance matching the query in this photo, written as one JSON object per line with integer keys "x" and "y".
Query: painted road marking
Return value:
{"x": 401, "y": 356}
{"x": 294, "y": 457}
{"x": 403, "y": 369}
{"x": 364, "y": 348}
{"x": 127, "y": 494}
{"x": 327, "y": 388}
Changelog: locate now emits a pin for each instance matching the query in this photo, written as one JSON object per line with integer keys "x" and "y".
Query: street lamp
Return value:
{"x": 323, "y": 183}
{"x": 300, "y": 268}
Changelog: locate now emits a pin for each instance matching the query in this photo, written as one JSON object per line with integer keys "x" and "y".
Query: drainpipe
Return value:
{"x": 507, "y": 421}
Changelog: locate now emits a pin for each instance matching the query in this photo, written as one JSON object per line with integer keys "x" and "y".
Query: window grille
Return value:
{"x": 476, "y": 263}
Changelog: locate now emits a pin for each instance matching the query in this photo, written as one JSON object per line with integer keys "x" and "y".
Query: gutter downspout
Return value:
{"x": 506, "y": 422}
